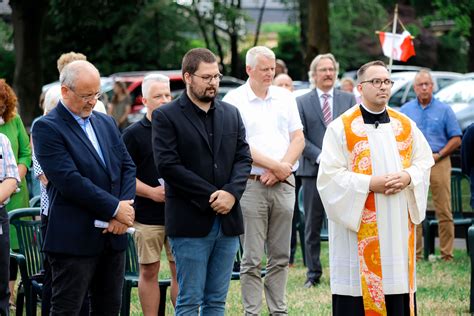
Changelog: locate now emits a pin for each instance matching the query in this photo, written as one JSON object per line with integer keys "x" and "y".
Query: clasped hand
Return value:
{"x": 123, "y": 219}
{"x": 391, "y": 183}
{"x": 222, "y": 201}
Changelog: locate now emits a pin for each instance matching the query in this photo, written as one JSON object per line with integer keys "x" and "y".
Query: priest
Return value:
{"x": 373, "y": 180}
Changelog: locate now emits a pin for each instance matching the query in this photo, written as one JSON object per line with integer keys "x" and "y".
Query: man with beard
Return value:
{"x": 201, "y": 153}
{"x": 317, "y": 109}
{"x": 373, "y": 181}
{"x": 275, "y": 135}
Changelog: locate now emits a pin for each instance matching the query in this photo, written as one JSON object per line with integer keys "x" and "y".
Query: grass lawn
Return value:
{"x": 443, "y": 289}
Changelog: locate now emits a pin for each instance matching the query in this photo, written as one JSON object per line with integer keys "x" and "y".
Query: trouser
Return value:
{"x": 204, "y": 268}
{"x": 295, "y": 223}
{"x": 4, "y": 262}
{"x": 440, "y": 185}
{"x": 267, "y": 214}
{"x": 314, "y": 217}
{"x": 74, "y": 277}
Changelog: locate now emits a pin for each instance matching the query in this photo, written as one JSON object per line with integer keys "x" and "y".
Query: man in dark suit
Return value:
{"x": 317, "y": 109}
{"x": 91, "y": 177}
{"x": 201, "y": 153}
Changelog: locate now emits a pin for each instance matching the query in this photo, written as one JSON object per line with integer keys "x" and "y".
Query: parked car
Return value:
{"x": 133, "y": 80}
{"x": 460, "y": 96}
{"x": 402, "y": 90}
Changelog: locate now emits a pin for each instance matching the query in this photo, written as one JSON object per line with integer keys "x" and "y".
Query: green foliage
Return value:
{"x": 7, "y": 59}
{"x": 289, "y": 50}
{"x": 119, "y": 35}
{"x": 352, "y": 27}
{"x": 452, "y": 53}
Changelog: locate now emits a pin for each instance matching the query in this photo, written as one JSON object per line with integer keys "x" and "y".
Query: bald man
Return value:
{"x": 91, "y": 177}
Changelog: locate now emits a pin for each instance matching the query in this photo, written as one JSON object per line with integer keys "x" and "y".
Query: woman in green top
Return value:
{"x": 12, "y": 126}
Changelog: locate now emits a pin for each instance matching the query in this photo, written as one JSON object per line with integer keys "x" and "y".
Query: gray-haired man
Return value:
{"x": 150, "y": 200}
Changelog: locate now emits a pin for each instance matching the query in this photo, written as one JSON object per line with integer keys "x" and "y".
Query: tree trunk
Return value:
{"x": 259, "y": 22}
{"x": 27, "y": 18}
{"x": 318, "y": 29}
{"x": 303, "y": 14}
{"x": 234, "y": 44}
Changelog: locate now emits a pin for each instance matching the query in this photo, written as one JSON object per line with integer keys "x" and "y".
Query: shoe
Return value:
{"x": 310, "y": 283}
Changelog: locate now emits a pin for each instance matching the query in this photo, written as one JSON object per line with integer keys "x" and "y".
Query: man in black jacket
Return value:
{"x": 201, "y": 153}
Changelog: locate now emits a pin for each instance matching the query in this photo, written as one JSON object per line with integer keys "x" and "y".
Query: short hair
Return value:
{"x": 149, "y": 79}
{"x": 8, "y": 96}
{"x": 364, "y": 67}
{"x": 67, "y": 58}
{"x": 71, "y": 71}
{"x": 51, "y": 98}
{"x": 423, "y": 71}
{"x": 347, "y": 79}
{"x": 315, "y": 62}
{"x": 254, "y": 52}
{"x": 194, "y": 57}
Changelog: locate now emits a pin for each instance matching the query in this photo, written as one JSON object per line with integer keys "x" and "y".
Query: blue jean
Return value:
{"x": 204, "y": 268}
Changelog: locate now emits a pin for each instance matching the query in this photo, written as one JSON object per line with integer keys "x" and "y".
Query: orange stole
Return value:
{"x": 370, "y": 263}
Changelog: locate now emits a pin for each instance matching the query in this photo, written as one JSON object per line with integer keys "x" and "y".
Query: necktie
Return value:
{"x": 327, "y": 115}
{"x": 89, "y": 130}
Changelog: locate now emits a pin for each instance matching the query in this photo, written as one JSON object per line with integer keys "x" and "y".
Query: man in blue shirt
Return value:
{"x": 438, "y": 124}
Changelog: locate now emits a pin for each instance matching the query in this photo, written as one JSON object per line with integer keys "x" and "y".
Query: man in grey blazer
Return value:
{"x": 317, "y": 109}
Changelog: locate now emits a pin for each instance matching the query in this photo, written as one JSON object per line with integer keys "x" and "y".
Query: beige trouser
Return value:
{"x": 268, "y": 212}
{"x": 440, "y": 185}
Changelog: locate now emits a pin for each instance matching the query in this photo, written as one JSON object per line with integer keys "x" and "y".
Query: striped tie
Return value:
{"x": 327, "y": 115}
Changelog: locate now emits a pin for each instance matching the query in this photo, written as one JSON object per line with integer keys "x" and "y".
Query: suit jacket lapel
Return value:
{"x": 336, "y": 109}
{"x": 316, "y": 104}
{"x": 218, "y": 125}
{"x": 192, "y": 116}
{"x": 78, "y": 131}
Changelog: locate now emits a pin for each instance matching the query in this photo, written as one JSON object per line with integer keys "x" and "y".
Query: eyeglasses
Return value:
{"x": 87, "y": 98}
{"x": 208, "y": 78}
{"x": 377, "y": 83}
{"x": 331, "y": 70}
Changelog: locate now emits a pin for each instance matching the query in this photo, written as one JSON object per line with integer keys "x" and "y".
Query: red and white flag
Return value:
{"x": 398, "y": 46}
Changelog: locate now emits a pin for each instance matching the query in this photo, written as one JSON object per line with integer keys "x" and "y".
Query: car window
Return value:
{"x": 458, "y": 92}
{"x": 396, "y": 99}
{"x": 444, "y": 82}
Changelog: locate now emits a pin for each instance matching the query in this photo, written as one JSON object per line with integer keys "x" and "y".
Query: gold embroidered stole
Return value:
{"x": 370, "y": 263}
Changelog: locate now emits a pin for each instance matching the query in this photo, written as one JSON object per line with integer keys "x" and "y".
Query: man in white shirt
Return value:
{"x": 275, "y": 136}
{"x": 317, "y": 109}
{"x": 373, "y": 181}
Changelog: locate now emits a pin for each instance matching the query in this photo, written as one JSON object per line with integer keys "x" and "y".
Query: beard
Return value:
{"x": 203, "y": 95}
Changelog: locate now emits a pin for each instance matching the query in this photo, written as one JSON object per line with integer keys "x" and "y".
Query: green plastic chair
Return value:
{"x": 430, "y": 226}
{"x": 30, "y": 258}
{"x": 132, "y": 268}
{"x": 324, "y": 228}
{"x": 470, "y": 234}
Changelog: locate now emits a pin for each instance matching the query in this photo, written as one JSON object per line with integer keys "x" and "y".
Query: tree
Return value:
{"x": 27, "y": 18}
{"x": 225, "y": 21}
{"x": 318, "y": 36}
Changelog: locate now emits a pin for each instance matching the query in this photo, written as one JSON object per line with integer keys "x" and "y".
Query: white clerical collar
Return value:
{"x": 372, "y": 112}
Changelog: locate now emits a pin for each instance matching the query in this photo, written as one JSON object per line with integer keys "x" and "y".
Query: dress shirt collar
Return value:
{"x": 252, "y": 96}
{"x": 78, "y": 119}
{"x": 330, "y": 92}
{"x": 424, "y": 107}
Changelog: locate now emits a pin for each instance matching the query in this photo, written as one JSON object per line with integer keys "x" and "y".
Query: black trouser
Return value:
{"x": 73, "y": 277}
{"x": 47, "y": 279}
{"x": 295, "y": 223}
{"x": 314, "y": 217}
{"x": 4, "y": 262}
{"x": 396, "y": 305}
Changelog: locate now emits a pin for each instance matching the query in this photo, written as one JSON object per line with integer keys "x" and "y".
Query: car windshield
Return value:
{"x": 459, "y": 92}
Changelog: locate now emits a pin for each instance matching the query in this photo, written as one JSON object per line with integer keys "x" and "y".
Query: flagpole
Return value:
{"x": 394, "y": 31}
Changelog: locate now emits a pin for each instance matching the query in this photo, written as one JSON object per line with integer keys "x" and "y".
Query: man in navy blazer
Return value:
{"x": 91, "y": 177}
{"x": 317, "y": 109}
{"x": 201, "y": 152}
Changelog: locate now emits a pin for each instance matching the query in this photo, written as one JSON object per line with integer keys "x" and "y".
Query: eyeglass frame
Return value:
{"x": 88, "y": 98}
{"x": 208, "y": 79}
{"x": 387, "y": 82}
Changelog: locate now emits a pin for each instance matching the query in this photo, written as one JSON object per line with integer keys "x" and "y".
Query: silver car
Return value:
{"x": 460, "y": 96}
